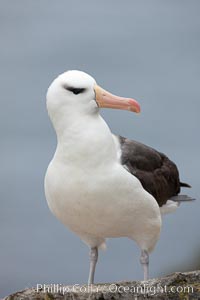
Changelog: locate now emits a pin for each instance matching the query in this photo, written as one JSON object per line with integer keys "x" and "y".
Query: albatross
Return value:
{"x": 101, "y": 185}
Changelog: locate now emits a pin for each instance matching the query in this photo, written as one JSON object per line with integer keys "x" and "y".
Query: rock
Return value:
{"x": 174, "y": 286}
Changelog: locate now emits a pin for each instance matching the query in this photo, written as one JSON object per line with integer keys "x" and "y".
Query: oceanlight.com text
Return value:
{"x": 114, "y": 288}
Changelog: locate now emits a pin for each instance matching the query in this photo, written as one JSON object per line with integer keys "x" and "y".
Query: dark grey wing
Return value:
{"x": 157, "y": 173}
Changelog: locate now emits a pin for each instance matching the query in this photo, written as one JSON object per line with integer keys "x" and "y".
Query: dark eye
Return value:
{"x": 75, "y": 91}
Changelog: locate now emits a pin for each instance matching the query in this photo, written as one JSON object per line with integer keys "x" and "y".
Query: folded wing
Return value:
{"x": 157, "y": 173}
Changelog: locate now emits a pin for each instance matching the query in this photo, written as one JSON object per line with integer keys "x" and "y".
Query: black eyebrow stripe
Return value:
{"x": 74, "y": 90}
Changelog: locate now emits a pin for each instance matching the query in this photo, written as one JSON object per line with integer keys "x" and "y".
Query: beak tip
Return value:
{"x": 138, "y": 111}
{"x": 135, "y": 106}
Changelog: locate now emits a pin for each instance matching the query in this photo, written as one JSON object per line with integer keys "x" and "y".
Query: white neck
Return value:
{"x": 84, "y": 140}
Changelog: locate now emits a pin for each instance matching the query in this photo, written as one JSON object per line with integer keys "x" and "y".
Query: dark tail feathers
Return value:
{"x": 183, "y": 184}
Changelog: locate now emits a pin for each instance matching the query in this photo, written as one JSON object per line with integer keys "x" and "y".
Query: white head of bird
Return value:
{"x": 75, "y": 94}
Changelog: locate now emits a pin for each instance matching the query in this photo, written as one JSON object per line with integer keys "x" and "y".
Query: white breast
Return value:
{"x": 92, "y": 194}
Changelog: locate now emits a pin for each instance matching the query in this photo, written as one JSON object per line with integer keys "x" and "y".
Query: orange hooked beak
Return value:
{"x": 108, "y": 100}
